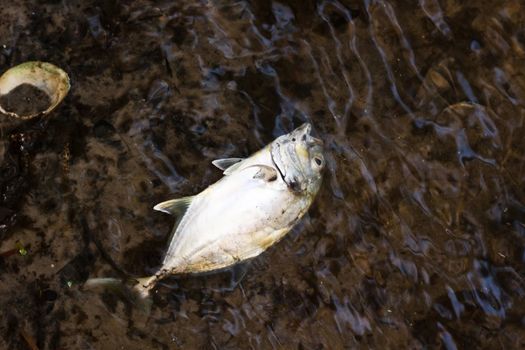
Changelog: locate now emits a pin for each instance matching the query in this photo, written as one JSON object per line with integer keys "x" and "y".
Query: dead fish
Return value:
{"x": 252, "y": 207}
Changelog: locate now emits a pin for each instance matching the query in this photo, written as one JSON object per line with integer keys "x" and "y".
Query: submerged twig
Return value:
{"x": 30, "y": 341}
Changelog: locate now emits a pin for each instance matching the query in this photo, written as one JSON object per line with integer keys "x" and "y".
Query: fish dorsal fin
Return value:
{"x": 227, "y": 164}
{"x": 176, "y": 207}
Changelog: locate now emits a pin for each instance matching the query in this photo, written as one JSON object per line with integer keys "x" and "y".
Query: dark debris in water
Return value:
{"x": 416, "y": 240}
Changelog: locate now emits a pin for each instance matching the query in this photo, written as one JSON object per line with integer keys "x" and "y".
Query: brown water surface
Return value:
{"x": 416, "y": 239}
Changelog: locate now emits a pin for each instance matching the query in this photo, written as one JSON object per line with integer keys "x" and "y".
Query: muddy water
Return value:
{"x": 416, "y": 240}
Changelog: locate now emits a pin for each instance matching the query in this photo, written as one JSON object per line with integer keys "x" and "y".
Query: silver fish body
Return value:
{"x": 253, "y": 206}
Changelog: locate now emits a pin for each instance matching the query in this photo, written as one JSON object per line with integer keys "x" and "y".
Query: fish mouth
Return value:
{"x": 305, "y": 129}
{"x": 304, "y": 133}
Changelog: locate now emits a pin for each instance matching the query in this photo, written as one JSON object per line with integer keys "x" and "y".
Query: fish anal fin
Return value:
{"x": 175, "y": 207}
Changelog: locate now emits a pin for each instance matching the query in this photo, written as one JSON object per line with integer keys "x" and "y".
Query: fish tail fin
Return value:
{"x": 137, "y": 292}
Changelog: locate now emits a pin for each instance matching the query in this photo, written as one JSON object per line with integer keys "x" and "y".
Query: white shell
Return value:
{"x": 42, "y": 75}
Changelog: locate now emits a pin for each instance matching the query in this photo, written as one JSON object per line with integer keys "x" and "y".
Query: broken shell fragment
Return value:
{"x": 32, "y": 88}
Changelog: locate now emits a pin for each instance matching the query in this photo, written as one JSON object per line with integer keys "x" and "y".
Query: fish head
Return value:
{"x": 298, "y": 156}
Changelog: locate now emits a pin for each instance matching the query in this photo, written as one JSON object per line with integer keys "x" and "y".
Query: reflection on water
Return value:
{"x": 415, "y": 241}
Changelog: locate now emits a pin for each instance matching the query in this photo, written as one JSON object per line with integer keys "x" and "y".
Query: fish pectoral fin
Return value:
{"x": 266, "y": 173}
{"x": 175, "y": 207}
{"x": 225, "y": 163}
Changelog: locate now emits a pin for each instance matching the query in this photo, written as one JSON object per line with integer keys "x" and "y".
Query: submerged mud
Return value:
{"x": 24, "y": 100}
{"x": 416, "y": 240}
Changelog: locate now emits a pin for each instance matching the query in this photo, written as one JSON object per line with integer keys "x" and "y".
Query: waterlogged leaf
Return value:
{"x": 21, "y": 249}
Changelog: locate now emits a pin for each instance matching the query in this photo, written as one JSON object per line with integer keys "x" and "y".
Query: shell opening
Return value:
{"x": 32, "y": 88}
